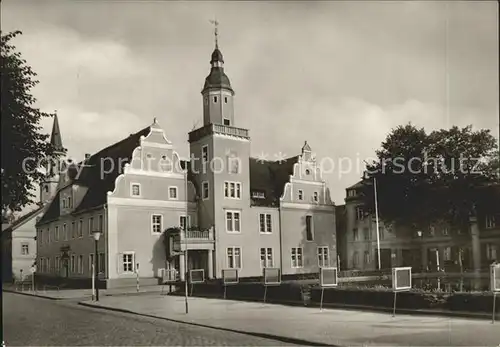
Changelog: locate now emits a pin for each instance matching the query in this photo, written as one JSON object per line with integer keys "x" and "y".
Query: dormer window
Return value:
{"x": 258, "y": 195}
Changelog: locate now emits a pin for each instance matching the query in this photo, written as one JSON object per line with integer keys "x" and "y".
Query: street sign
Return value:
{"x": 196, "y": 276}
{"x": 272, "y": 276}
{"x": 495, "y": 277}
{"x": 401, "y": 278}
{"x": 328, "y": 277}
{"x": 230, "y": 276}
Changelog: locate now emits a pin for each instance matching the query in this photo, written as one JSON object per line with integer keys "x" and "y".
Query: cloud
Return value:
{"x": 338, "y": 74}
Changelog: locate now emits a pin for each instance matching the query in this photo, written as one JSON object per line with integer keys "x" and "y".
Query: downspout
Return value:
{"x": 106, "y": 250}
{"x": 280, "y": 236}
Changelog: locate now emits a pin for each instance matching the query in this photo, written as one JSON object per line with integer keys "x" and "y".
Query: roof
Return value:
{"x": 95, "y": 176}
{"x": 24, "y": 218}
{"x": 270, "y": 177}
{"x": 55, "y": 137}
{"x": 217, "y": 77}
{"x": 357, "y": 185}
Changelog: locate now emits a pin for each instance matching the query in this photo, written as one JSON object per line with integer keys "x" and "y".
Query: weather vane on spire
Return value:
{"x": 216, "y": 31}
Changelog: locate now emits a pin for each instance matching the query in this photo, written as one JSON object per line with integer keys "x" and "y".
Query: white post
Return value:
{"x": 93, "y": 282}
{"x": 376, "y": 221}
{"x": 137, "y": 274}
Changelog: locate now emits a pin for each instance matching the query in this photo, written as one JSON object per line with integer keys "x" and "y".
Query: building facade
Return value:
{"x": 440, "y": 246}
{"x": 234, "y": 211}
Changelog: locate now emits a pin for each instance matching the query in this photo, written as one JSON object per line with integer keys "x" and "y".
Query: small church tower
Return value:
{"x": 48, "y": 187}
{"x": 217, "y": 92}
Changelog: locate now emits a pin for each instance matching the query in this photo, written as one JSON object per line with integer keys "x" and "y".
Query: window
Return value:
{"x": 445, "y": 230}
{"x": 135, "y": 189}
{"x": 215, "y": 99}
{"x": 56, "y": 233}
{"x": 227, "y": 122}
{"x": 47, "y": 265}
{"x": 102, "y": 263}
{"x": 172, "y": 193}
{"x": 58, "y": 264}
{"x": 367, "y": 257}
{"x": 309, "y": 229}
{"x": 156, "y": 223}
{"x": 64, "y": 203}
{"x": 491, "y": 251}
{"x": 432, "y": 230}
{"x": 69, "y": 202}
{"x": 447, "y": 254}
{"x": 308, "y": 172}
{"x": 80, "y": 264}
{"x": 25, "y": 249}
{"x": 366, "y": 233}
{"x": 182, "y": 222}
{"x": 91, "y": 225}
{"x": 73, "y": 230}
{"x": 225, "y": 99}
{"x": 301, "y": 195}
{"x": 91, "y": 262}
{"x": 323, "y": 257}
{"x": 351, "y": 193}
{"x": 232, "y": 190}
{"x": 80, "y": 228}
{"x": 265, "y": 223}
{"x": 315, "y": 197}
{"x": 266, "y": 257}
{"x": 100, "y": 226}
{"x": 205, "y": 190}
{"x": 128, "y": 262}
{"x": 206, "y": 100}
{"x": 233, "y": 221}
{"x": 297, "y": 257}
{"x": 204, "y": 154}
{"x": 360, "y": 214}
{"x": 48, "y": 235}
{"x": 490, "y": 222}
{"x": 234, "y": 258}
{"x": 258, "y": 195}
{"x": 73, "y": 264}
{"x": 355, "y": 259}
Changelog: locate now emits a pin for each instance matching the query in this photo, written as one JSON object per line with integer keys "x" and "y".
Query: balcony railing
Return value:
{"x": 218, "y": 129}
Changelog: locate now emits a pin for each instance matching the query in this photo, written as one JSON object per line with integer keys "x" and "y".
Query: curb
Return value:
{"x": 32, "y": 295}
{"x": 422, "y": 312}
{"x": 285, "y": 339}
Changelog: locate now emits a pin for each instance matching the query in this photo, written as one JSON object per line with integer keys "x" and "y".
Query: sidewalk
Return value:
{"x": 85, "y": 294}
{"x": 327, "y": 327}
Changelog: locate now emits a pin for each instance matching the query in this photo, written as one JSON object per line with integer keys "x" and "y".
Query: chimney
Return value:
{"x": 87, "y": 155}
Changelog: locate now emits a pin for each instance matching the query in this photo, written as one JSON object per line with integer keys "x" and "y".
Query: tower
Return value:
{"x": 217, "y": 92}
{"x": 220, "y": 154}
{"x": 48, "y": 187}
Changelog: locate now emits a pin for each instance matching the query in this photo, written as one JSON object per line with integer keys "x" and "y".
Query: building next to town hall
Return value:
{"x": 238, "y": 212}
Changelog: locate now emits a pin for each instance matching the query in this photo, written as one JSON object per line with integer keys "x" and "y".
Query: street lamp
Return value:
{"x": 97, "y": 235}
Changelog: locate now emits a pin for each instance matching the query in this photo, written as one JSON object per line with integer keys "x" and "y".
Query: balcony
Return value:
{"x": 192, "y": 240}
{"x": 212, "y": 129}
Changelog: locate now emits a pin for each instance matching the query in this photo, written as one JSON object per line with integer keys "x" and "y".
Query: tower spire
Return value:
{"x": 55, "y": 137}
{"x": 216, "y": 31}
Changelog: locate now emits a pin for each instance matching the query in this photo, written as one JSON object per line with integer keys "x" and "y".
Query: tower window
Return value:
{"x": 225, "y": 99}
{"x": 215, "y": 99}
{"x": 227, "y": 121}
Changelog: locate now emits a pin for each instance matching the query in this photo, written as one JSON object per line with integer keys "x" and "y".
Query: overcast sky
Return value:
{"x": 337, "y": 74}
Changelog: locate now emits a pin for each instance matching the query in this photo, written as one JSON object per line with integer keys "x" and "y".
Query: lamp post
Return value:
{"x": 419, "y": 233}
{"x": 97, "y": 235}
